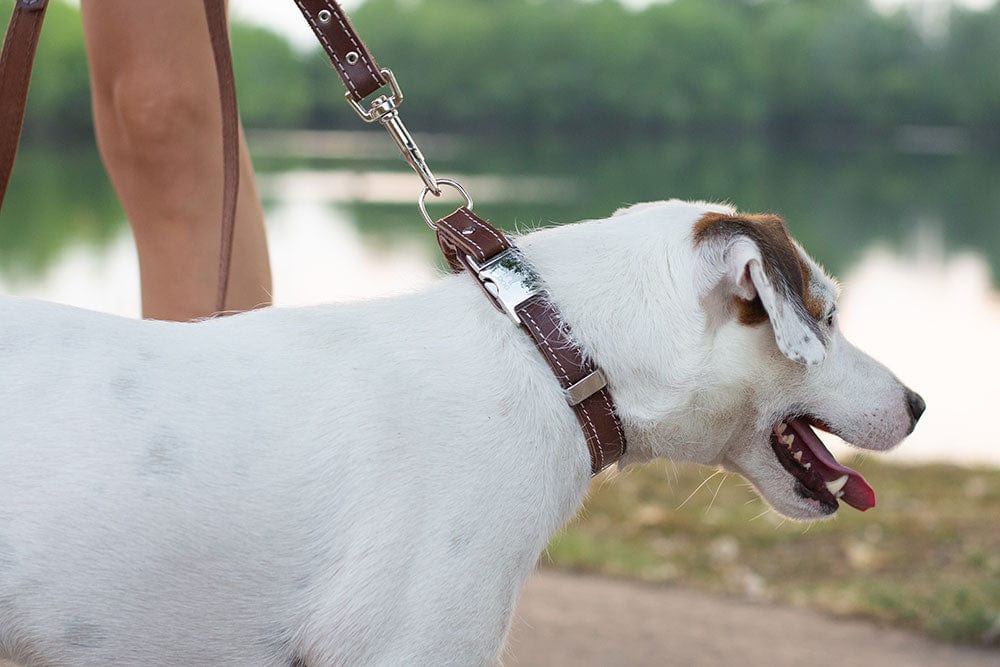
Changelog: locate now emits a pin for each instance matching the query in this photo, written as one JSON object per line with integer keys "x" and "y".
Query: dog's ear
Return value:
{"x": 753, "y": 263}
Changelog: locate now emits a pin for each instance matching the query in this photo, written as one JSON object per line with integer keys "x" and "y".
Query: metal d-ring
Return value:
{"x": 441, "y": 181}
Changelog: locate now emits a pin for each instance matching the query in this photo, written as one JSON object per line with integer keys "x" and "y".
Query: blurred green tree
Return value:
{"x": 588, "y": 66}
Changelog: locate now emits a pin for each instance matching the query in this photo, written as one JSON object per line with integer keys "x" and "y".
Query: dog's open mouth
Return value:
{"x": 820, "y": 476}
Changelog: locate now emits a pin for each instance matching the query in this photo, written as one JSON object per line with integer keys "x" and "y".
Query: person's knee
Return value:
{"x": 154, "y": 117}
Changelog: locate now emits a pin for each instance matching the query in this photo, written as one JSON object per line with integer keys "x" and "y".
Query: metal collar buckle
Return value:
{"x": 508, "y": 280}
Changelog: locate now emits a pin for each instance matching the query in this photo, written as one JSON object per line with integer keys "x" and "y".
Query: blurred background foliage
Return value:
{"x": 778, "y": 66}
{"x": 851, "y": 122}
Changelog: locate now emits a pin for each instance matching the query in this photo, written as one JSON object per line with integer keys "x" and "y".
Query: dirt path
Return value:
{"x": 587, "y": 621}
{"x": 594, "y": 622}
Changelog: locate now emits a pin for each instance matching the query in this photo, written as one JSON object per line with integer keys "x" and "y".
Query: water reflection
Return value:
{"x": 58, "y": 198}
{"x": 935, "y": 321}
{"x": 317, "y": 256}
{"x": 837, "y": 203}
{"x": 917, "y": 243}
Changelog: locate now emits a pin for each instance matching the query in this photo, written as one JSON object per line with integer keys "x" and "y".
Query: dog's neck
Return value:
{"x": 580, "y": 264}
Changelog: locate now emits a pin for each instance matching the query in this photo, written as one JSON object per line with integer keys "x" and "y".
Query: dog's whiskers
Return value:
{"x": 671, "y": 472}
{"x": 698, "y": 488}
{"x": 716, "y": 494}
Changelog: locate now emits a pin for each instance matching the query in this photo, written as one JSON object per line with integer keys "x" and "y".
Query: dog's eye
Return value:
{"x": 829, "y": 320}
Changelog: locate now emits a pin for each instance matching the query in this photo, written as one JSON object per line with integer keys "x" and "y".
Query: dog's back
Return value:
{"x": 236, "y": 480}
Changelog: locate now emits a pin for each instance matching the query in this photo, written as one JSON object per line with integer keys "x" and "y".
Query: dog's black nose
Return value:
{"x": 916, "y": 405}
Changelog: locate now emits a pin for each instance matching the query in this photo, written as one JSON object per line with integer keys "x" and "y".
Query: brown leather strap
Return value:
{"x": 463, "y": 234}
{"x": 218, "y": 29}
{"x": 596, "y": 412}
{"x": 15, "y": 74}
{"x": 467, "y": 240}
{"x": 355, "y": 65}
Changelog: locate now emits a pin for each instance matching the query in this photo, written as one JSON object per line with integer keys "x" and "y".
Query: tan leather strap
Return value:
{"x": 218, "y": 29}
{"x": 466, "y": 241}
{"x": 357, "y": 68}
{"x": 15, "y": 74}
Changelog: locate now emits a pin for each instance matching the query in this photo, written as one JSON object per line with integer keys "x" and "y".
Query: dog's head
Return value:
{"x": 781, "y": 309}
{"x": 739, "y": 356}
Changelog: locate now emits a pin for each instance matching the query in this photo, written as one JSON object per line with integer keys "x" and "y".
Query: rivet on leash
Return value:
{"x": 352, "y": 57}
{"x": 324, "y": 16}
{"x": 470, "y": 230}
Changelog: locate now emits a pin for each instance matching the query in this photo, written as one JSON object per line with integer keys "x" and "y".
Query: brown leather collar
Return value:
{"x": 469, "y": 242}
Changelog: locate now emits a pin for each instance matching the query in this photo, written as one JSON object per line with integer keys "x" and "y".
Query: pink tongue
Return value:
{"x": 856, "y": 492}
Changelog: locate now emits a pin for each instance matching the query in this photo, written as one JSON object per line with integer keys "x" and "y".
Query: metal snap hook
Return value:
{"x": 421, "y": 201}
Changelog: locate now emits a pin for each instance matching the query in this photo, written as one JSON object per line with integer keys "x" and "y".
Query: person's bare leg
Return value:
{"x": 156, "y": 115}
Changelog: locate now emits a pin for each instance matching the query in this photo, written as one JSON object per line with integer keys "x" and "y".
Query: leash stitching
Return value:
{"x": 330, "y": 49}
{"x": 343, "y": 26}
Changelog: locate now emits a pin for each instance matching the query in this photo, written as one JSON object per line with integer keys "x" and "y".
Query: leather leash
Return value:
{"x": 218, "y": 30}
{"x": 468, "y": 242}
{"x": 18, "y": 57}
{"x": 15, "y": 74}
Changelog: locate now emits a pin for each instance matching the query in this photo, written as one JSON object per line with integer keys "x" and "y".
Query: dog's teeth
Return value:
{"x": 797, "y": 456}
{"x": 788, "y": 439}
{"x": 781, "y": 428}
{"x": 836, "y": 485}
{"x": 840, "y": 494}
{"x": 807, "y": 465}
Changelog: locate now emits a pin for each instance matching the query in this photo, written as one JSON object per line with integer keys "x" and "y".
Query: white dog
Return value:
{"x": 371, "y": 483}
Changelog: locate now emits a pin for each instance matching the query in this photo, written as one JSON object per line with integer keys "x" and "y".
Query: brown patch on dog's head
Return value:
{"x": 782, "y": 262}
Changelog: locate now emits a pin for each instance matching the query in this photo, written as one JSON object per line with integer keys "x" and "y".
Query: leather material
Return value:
{"x": 15, "y": 75}
{"x": 596, "y": 413}
{"x": 360, "y": 73}
{"x": 462, "y": 236}
{"x": 218, "y": 29}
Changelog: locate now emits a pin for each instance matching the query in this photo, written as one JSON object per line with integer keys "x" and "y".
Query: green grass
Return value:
{"x": 927, "y": 557}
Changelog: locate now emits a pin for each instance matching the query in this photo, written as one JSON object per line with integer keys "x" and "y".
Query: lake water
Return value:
{"x": 912, "y": 230}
